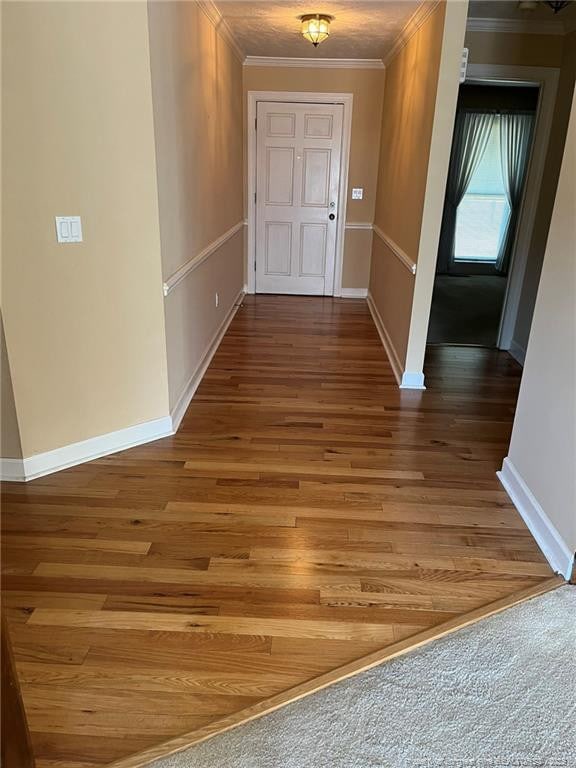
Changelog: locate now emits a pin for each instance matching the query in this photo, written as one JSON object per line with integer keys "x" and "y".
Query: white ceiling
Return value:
{"x": 362, "y": 29}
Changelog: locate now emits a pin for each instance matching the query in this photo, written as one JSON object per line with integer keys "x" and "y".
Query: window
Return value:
{"x": 483, "y": 214}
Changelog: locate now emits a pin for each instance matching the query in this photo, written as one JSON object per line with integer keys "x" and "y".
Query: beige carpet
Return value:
{"x": 499, "y": 694}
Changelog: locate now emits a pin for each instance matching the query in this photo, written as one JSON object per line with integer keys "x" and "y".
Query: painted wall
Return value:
{"x": 10, "y": 445}
{"x": 521, "y": 50}
{"x": 418, "y": 113}
{"x": 530, "y": 50}
{"x": 547, "y": 191}
{"x": 84, "y": 323}
{"x": 543, "y": 446}
{"x": 367, "y": 85}
{"x": 197, "y": 95}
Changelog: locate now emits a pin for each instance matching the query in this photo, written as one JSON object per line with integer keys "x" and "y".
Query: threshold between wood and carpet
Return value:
{"x": 362, "y": 664}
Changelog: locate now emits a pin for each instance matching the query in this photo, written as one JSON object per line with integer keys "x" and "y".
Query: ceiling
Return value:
{"x": 362, "y": 29}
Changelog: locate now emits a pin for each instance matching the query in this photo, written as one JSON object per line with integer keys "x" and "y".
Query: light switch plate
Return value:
{"x": 464, "y": 65}
{"x": 69, "y": 229}
{"x": 357, "y": 193}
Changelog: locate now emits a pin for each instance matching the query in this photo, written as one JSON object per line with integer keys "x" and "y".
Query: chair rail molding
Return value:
{"x": 195, "y": 262}
{"x": 358, "y": 225}
{"x": 396, "y": 250}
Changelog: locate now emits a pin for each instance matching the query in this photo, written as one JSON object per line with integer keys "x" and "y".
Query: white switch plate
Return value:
{"x": 464, "y": 65}
{"x": 357, "y": 193}
{"x": 69, "y": 229}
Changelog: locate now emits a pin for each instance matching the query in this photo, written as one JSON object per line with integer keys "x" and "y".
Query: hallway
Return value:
{"x": 307, "y": 513}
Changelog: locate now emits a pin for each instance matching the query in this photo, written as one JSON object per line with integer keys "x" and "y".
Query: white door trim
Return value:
{"x": 346, "y": 99}
{"x": 547, "y": 79}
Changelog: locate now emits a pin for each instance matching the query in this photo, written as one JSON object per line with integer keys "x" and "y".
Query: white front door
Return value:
{"x": 297, "y": 181}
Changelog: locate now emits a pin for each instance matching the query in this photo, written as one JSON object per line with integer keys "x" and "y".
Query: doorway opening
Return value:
{"x": 298, "y": 157}
{"x": 488, "y": 169}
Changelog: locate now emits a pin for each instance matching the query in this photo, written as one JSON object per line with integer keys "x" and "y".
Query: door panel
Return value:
{"x": 297, "y": 185}
{"x": 312, "y": 250}
{"x": 279, "y": 176}
{"x": 279, "y": 125}
{"x": 278, "y": 248}
{"x": 318, "y": 126}
{"x": 316, "y": 177}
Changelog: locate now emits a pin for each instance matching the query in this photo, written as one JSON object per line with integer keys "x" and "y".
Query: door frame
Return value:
{"x": 297, "y": 97}
{"x": 546, "y": 78}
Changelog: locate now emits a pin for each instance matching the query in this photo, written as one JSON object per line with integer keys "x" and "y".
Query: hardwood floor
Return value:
{"x": 307, "y": 513}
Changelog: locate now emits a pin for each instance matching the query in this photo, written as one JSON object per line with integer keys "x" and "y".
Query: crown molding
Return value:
{"x": 220, "y": 25}
{"x": 516, "y": 26}
{"x": 418, "y": 18}
{"x": 290, "y": 61}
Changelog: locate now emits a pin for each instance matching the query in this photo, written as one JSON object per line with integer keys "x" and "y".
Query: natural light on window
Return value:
{"x": 483, "y": 214}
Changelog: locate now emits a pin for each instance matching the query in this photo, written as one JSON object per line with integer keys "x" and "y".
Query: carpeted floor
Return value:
{"x": 466, "y": 309}
{"x": 499, "y": 694}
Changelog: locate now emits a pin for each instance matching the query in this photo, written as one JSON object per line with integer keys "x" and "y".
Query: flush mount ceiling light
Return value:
{"x": 316, "y": 27}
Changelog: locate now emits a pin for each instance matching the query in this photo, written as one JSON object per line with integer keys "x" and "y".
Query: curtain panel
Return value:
{"x": 471, "y": 135}
{"x": 515, "y": 138}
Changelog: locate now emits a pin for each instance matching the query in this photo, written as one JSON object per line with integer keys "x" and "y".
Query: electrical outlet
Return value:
{"x": 357, "y": 193}
{"x": 216, "y": 299}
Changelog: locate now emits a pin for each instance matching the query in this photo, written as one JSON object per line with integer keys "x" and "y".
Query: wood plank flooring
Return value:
{"x": 307, "y": 513}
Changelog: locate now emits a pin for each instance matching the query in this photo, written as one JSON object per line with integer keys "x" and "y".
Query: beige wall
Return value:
{"x": 547, "y": 191}
{"x": 543, "y": 447}
{"x": 516, "y": 49}
{"x": 84, "y": 323}
{"x": 10, "y": 446}
{"x": 357, "y": 255}
{"x": 367, "y": 86}
{"x": 197, "y": 94}
{"x": 420, "y": 89}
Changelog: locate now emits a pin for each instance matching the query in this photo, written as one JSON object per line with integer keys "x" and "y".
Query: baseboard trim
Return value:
{"x": 412, "y": 380}
{"x": 386, "y": 340}
{"x": 177, "y": 413}
{"x": 553, "y": 546}
{"x": 23, "y": 470}
{"x": 12, "y": 470}
{"x": 354, "y": 293}
{"x": 363, "y": 664}
{"x": 517, "y": 352}
{"x": 71, "y": 455}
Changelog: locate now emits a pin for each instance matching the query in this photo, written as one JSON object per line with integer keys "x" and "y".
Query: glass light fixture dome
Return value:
{"x": 316, "y": 27}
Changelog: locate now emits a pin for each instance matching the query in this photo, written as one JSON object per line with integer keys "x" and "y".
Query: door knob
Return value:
{"x": 332, "y": 216}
